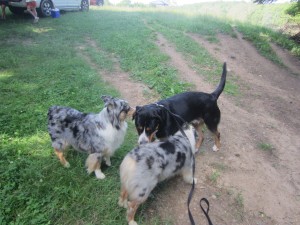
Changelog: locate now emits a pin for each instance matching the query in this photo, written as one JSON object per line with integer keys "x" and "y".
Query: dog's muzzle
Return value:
{"x": 144, "y": 139}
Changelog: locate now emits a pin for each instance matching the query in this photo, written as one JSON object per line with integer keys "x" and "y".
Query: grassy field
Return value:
{"x": 40, "y": 66}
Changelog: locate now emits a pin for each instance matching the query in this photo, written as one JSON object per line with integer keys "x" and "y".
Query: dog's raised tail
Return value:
{"x": 221, "y": 85}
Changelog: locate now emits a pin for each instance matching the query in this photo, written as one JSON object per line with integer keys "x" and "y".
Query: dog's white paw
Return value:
{"x": 67, "y": 165}
{"x": 99, "y": 174}
{"x": 195, "y": 180}
{"x": 132, "y": 222}
{"x": 215, "y": 148}
{"x": 122, "y": 203}
{"x": 107, "y": 162}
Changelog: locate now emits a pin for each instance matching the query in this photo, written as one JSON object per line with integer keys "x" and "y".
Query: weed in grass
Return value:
{"x": 239, "y": 200}
{"x": 219, "y": 166}
{"x": 265, "y": 147}
{"x": 213, "y": 178}
{"x": 212, "y": 39}
{"x": 218, "y": 194}
{"x": 239, "y": 203}
{"x": 230, "y": 192}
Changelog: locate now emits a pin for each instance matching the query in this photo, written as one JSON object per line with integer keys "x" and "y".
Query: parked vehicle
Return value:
{"x": 97, "y": 2}
{"x": 44, "y": 7}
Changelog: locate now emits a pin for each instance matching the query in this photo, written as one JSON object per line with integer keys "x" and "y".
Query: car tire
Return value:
{"x": 85, "y": 5}
{"x": 16, "y": 10}
{"x": 45, "y": 8}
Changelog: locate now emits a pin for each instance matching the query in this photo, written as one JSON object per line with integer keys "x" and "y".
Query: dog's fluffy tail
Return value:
{"x": 221, "y": 85}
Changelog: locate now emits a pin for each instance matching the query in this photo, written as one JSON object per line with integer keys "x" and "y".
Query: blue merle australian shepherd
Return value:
{"x": 99, "y": 135}
{"x": 146, "y": 165}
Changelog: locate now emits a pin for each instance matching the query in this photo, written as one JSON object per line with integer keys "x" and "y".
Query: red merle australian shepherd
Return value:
{"x": 163, "y": 118}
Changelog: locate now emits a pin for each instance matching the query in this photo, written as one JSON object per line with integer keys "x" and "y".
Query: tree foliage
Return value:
{"x": 264, "y": 1}
{"x": 294, "y": 9}
{"x": 271, "y": 1}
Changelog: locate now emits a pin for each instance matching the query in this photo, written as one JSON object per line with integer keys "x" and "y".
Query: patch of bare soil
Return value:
{"x": 246, "y": 182}
{"x": 292, "y": 63}
{"x": 255, "y": 177}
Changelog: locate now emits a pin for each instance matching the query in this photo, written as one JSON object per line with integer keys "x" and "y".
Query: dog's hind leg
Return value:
{"x": 198, "y": 127}
{"x": 61, "y": 158}
{"x": 93, "y": 164}
{"x": 187, "y": 174}
{"x": 123, "y": 198}
{"x": 216, "y": 134}
{"x": 212, "y": 120}
{"x": 217, "y": 145}
{"x": 131, "y": 210}
{"x": 107, "y": 160}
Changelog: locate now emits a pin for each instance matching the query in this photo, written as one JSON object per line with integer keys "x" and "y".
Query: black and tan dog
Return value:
{"x": 99, "y": 135}
{"x": 158, "y": 119}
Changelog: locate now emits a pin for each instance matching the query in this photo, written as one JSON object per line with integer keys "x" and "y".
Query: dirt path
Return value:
{"x": 255, "y": 177}
{"x": 135, "y": 93}
{"x": 253, "y": 186}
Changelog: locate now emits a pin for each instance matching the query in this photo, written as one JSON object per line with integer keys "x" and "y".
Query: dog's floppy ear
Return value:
{"x": 161, "y": 115}
{"x": 137, "y": 108}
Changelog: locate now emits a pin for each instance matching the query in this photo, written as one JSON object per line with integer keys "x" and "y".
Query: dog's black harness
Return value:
{"x": 176, "y": 117}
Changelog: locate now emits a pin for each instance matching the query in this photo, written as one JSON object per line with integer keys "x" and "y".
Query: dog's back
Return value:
{"x": 148, "y": 164}
{"x": 63, "y": 126}
{"x": 84, "y": 132}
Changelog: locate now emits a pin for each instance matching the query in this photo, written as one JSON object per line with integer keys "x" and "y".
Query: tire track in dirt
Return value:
{"x": 291, "y": 62}
{"x": 258, "y": 75}
{"x": 267, "y": 181}
{"x": 134, "y": 92}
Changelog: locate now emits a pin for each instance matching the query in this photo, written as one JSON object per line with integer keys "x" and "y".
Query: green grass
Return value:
{"x": 37, "y": 72}
{"x": 265, "y": 146}
{"x": 239, "y": 203}
{"x": 41, "y": 66}
{"x": 214, "y": 176}
{"x": 258, "y": 23}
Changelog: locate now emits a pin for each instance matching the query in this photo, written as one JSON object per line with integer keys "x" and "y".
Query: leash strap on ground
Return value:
{"x": 191, "y": 195}
{"x": 206, "y": 211}
{"x": 175, "y": 116}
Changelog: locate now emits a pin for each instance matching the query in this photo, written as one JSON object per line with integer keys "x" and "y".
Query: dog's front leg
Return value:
{"x": 62, "y": 159}
{"x": 107, "y": 160}
{"x": 123, "y": 198}
{"x": 131, "y": 210}
{"x": 93, "y": 163}
{"x": 99, "y": 173}
{"x": 217, "y": 145}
